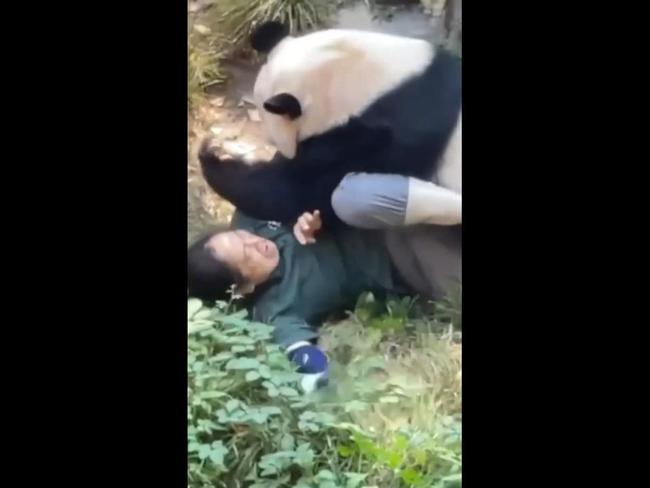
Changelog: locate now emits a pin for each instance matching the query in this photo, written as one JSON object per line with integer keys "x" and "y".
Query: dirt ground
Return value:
{"x": 234, "y": 124}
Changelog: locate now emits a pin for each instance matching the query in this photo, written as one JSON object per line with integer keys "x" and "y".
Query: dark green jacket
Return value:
{"x": 315, "y": 280}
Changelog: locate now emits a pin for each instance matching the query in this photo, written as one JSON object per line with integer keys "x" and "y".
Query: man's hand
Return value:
{"x": 306, "y": 226}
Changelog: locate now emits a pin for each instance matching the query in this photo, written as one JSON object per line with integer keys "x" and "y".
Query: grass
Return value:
{"x": 240, "y": 18}
{"x": 222, "y": 31}
{"x": 413, "y": 356}
{"x": 206, "y": 48}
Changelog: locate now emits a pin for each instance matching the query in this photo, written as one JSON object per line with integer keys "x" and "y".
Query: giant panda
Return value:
{"x": 340, "y": 101}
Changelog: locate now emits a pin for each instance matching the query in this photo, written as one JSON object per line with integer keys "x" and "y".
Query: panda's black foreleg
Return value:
{"x": 262, "y": 190}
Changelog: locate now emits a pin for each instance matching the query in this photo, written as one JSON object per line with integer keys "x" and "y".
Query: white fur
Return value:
{"x": 322, "y": 70}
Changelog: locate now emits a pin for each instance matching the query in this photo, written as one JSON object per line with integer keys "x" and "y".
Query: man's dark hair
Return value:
{"x": 208, "y": 278}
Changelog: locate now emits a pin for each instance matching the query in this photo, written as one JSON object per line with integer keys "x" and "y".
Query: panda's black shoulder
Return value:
{"x": 424, "y": 105}
{"x": 440, "y": 79}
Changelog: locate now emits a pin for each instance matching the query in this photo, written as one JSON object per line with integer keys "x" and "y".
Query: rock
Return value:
{"x": 217, "y": 101}
{"x": 202, "y": 29}
{"x": 238, "y": 148}
{"x": 196, "y": 6}
{"x": 254, "y": 115}
{"x": 216, "y": 130}
{"x": 233, "y": 129}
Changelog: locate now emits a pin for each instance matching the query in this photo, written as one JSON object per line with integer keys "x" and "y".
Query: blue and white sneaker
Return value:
{"x": 312, "y": 364}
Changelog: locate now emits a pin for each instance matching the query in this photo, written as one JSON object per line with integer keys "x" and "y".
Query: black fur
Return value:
{"x": 267, "y": 36}
{"x": 404, "y": 132}
{"x": 284, "y": 104}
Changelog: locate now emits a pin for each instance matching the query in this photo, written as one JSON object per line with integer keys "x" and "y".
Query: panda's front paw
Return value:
{"x": 207, "y": 151}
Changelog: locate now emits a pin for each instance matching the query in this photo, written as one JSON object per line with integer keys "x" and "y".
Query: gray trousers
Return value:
{"x": 428, "y": 257}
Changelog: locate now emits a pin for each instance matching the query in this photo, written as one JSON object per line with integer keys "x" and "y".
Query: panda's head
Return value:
{"x": 315, "y": 82}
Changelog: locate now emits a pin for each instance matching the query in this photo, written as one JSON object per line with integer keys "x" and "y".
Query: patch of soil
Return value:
{"x": 234, "y": 126}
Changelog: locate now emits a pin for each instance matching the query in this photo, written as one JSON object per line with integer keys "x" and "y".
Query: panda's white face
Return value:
{"x": 334, "y": 74}
{"x": 281, "y": 131}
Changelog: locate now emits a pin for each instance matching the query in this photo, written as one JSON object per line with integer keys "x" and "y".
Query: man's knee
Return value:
{"x": 371, "y": 201}
{"x": 345, "y": 200}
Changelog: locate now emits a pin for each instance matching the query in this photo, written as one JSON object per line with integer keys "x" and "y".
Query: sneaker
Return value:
{"x": 312, "y": 365}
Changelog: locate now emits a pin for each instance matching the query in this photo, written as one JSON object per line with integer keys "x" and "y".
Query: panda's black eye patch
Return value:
{"x": 284, "y": 104}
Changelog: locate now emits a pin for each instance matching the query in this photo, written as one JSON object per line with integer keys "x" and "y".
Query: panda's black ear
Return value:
{"x": 284, "y": 104}
{"x": 266, "y": 36}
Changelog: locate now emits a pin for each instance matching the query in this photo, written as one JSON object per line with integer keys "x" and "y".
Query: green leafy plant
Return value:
{"x": 250, "y": 426}
{"x": 413, "y": 459}
{"x": 247, "y": 420}
{"x": 448, "y": 311}
{"x": 389, "y": 315}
